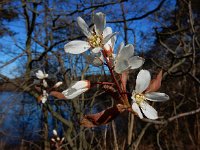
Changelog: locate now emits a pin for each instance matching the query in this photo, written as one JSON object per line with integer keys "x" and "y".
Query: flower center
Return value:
{"x": 96, "y": 40}
{"x": 139, "y": 98}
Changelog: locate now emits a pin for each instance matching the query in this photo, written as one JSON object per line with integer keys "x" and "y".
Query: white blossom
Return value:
{"x": 125, "y": 59}
{"x": 55, "y": 133}
{"x": 97, "y": 36}
{"x": 44, "y": 83}
{"x": 44, "y": 96}
{"x": 58, "y": 84}
{"x": 76, "y": 89}
{"x": 140, "y": 97}
{"x": 98, "y": 59}
{"x": 41, "y": 75}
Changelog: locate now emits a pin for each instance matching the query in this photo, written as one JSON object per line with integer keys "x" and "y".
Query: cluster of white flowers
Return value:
{"x": 42, "y": 76}
{"x": 57, "y": 142}
{"x": 101, "y": 41}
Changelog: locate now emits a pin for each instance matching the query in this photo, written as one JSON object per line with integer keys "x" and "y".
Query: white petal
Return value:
{"x": 45, "y": 83}
{"x": 156, "y": 96}
{"x": 120, "y": 48}
{"x": 107, "y": 31}
{"x": 58, "y": 84}
{"x": 84, "y": 27}
{"x": 135, "y": 62}
{"x": 110, "y": 44}
{"x": 44, "y": 99}
{"x": 121, "y": 65}
{"x": 76, "y": 47}
{"x": 81, "y": 84}
{"x": 142, "y": 81}
{"x": 136, "y": 109}
{"x": 98, "y": 61}
{"x": 99, "y": 22}
{"x": 55, "y": 132}
{"x": 96, "y": 49}
{"x": 108, "y": 37}
{"x": 46, "y": 75}
{"x": 148, "y": 110}
{"x": 40, "y": 74}
{"x": 70, "y": 94}
{"x": 127, "y": 51}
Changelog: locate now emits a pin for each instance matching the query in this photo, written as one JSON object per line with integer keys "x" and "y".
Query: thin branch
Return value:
{"x": 140, "y": 17}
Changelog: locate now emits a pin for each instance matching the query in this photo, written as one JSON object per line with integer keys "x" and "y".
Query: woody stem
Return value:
{"x": 111, "y": 72}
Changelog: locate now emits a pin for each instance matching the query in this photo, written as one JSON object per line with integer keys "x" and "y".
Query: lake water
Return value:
{"x": 20, "y": 117}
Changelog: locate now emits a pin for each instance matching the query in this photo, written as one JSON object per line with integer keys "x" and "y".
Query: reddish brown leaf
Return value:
{"x": 57, "y": 95}
{"x": 39, "y": 98}
{"x": 102, "y": 117}
{"x": 155, "y": 83}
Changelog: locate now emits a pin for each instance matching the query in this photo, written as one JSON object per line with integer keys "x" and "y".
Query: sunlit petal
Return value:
{"x": 84, "y": 27}
{"x": 148, "y": 110}
{"x": 96, "y": 49}
{"x": 127, "y": 51}
{"x": 99, "y": 22}
{"x": 120, "y": 47}
{"x": 156, "y": 96}
{"x": 81, "y": 84}
{"x": 76, "y": 47}
{"x": 58, "y": 84}
{"x": 108, "y": 37}
{"x": 55, "y": 133}
{"x": 41, "y": 75}
{"x": 135, "y": 62}
{"x": 70, "y": 94}
{"x": 142, "y": 81}
{"x": 107, "y": 31}
{"x": 121, "y": 65}
{"x": 44, "y": 83}
{"x": 136, "y": 109}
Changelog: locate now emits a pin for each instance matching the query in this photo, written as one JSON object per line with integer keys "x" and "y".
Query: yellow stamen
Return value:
{"x": 139, "y": 98}
{"x": 96, "y": 40}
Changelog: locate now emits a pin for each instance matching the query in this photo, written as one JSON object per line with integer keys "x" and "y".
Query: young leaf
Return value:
{"x": 57, "y": 95}
{"x": 155, "y": 83}
{"x": 102, "y": 117}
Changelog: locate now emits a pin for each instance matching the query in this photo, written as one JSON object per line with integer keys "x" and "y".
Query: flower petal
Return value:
{"x": 127, "y": 51}
{"x": 76, "y": 47}
{"x": 44, "y": 99}
{"x": 72, "y": 93}
{"x": 135, "y": 62}
{"x": 120, "y": 48}
{"x": 98, "y": 61}
{"x": 136, "y": 109}
{"x": 39, "y": 74}
{"x": 58, "y": 84}
{"x": 156, "y": 96}
{"x": 44, "y": 83}
{"x": 107, "y": 31}
{"x": 142, "y": 81}
{"x": 55, "y": 133}
{"x": 121, "y": 65}
{"x": 84, "y": 27}
{"x": 148, "y": 110}
{"x": 99, "y": 22}
{"x": 81, "y": 84}
{"x": 108, "y": 37}
{"x": 96, "y": 49}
